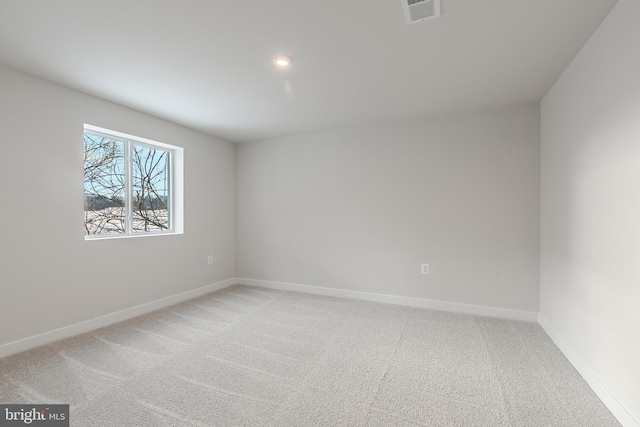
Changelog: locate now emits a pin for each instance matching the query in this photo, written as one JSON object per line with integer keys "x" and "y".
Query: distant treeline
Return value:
{"x": 98, "y": 202}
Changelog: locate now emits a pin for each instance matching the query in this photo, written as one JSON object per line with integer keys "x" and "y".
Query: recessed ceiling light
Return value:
{"x": 283, "y": 61}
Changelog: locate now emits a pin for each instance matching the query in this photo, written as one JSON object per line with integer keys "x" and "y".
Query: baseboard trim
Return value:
{"x": 611, "y": 402}
{"x": 625, "y": 418}
{"x": 108, "y": 319}
{"x": 476, "y": 310}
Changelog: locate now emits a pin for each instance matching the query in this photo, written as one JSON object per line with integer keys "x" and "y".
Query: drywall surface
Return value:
{"x": 50, "y": 277}
{"x": 590, "y": 207}
{"x": 361, "y": 208}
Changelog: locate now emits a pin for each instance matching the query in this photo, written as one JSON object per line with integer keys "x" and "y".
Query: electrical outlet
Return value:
{"x": 424, "y": 268}
{"x": 210, "y": 259}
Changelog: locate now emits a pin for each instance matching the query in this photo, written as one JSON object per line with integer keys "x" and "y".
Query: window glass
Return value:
{"x": 104, "y": 185}
{"x": 150, "y": 189}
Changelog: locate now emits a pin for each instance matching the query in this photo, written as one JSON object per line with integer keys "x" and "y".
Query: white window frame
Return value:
{"x": 175, "y": 206}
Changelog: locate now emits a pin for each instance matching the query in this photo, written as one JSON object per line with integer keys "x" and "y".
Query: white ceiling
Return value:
{"x": 207, "y": 64}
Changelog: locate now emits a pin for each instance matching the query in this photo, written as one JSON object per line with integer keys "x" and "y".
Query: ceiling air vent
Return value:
{"x": 420, "y": 10}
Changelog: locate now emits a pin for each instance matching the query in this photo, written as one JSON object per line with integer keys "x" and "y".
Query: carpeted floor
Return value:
{"x": 257, "y": 357}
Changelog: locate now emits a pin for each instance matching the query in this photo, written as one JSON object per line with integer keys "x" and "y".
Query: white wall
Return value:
{"x": 49, "y": 276}
{"x": 360, "y": 208}
{"x": 590, "y": 213}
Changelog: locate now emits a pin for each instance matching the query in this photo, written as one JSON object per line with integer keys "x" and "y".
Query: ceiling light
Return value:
{"x": 283, "y": 61}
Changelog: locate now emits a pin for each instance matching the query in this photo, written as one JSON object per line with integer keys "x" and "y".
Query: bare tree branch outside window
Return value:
{"x": 107, "y": 190}
{"x": 150, "y": 189}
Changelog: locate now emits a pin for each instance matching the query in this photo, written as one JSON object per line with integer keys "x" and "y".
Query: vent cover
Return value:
{"x": 420, "y": 10}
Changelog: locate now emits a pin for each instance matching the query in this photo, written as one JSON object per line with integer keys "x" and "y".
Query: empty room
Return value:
{"x": 332, "y": 213}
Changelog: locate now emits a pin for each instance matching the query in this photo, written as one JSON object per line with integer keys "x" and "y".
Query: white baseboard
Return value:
{"x": 611, "y": 402}
{"x": 108, "y": 319}
{"x": 476, "y": 310}
{"x": 617, "y": 409}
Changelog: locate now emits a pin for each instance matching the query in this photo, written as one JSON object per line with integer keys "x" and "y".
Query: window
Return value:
{"x": 130, "y": 185}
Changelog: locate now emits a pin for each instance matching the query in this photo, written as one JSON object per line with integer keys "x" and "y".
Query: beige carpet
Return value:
{"x": 249, "y": 356}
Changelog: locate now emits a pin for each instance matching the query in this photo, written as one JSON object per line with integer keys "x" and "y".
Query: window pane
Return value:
{"x": 104, "y": 187}
{"x": 150, "y": 198}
